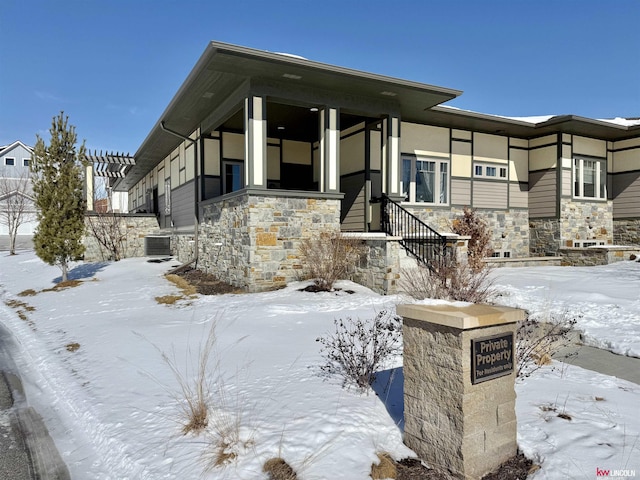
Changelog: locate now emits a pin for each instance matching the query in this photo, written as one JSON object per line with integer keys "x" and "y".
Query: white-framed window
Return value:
{"x": 25, "y": 162}
{"x": 9, "y": 162}
{"x": 489, "y": 171}
{"x": 589, "y": 178}
{"x": 425, "y": 180}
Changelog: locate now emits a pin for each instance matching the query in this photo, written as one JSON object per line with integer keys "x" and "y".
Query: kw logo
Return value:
{"x": 602, "y": 473}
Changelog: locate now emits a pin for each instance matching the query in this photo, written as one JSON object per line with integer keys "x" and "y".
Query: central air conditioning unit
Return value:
{"x": 157, "y": 245}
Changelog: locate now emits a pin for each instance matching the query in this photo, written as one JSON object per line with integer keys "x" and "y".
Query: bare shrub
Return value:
{"x": 447, "y": 280}
{"x": 538, "y": 341}
{"x": 358, "y": 348}
{"x": 470, "y": 224}
{"x": 329, "y": 258}
{"x": 108, "y": 231}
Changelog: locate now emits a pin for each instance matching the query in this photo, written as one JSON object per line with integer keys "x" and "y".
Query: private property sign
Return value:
{"x": 491, "y": 357}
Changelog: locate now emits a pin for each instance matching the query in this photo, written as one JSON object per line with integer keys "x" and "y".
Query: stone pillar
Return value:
{"x": 255, "y": 137}
{"x": 329, "y": 150}
{"x": 459, "y": 375}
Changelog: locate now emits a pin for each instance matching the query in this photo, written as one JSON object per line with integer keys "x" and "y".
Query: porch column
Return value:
{"x": 329, "y": 150}
{"x": 89, "y": 187}
{"x": 255, "y": 139}
{"x": 391, "y": 177}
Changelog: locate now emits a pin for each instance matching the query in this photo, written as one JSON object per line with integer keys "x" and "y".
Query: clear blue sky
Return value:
{"x": 114, "y": 65}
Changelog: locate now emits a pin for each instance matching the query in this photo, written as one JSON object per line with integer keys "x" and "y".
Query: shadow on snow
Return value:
{"x": 389, "y": 386}
{"x": 85, "y": 270}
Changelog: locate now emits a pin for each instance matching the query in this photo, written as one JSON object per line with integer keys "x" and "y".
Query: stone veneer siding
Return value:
{"x": 578, "y": 220}
{"x": 626, "y": 232}
{"x": 590, "y": 256}
{"x": 510, "y": 228}
{"x": 581, "y": 220}
{"x": 544, "y": 238}
{"x": 251, "y": 238}
{"x": 133, "y": 230}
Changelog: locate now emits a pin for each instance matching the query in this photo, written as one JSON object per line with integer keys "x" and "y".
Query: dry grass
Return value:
{"x": 185, "y": 287}
{"x": 385, "y": 468}
{"x": 72, "y": 347}
{"x": 21, "y": 310}
{"x": 169, "y": 299}
{"x": 63, "y": 285}
{"x": 195, "y": 393}
{"x": 187, "y": 290}
{"x": 278, "y": 469}
{"x": 28, "y": 293}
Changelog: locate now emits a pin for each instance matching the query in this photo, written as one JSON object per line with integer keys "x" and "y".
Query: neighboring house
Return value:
{"x": 262, "y": 149}
{"x": 14, "y": 170}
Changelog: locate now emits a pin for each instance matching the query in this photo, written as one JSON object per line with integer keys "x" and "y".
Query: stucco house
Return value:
{"x": 258, "y": 150}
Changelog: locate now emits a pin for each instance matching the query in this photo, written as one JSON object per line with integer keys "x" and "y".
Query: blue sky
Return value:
{"x": 113, "y": 66}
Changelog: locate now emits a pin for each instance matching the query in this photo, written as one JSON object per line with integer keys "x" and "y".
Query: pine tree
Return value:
{"x": 58, "y": 190}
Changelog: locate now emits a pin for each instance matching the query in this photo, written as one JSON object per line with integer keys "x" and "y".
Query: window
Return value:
{"x": 233, "y": 176}
{"x": 25, "y": 162}
{"x": 9, "y": 162}
{"x": 489, "y": 171}
{"x": 425, "y": 180}
{"x": 589, "y": 178}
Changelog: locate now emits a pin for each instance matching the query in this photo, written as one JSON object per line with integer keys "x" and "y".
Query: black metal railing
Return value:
{"x": 418, "y": 238}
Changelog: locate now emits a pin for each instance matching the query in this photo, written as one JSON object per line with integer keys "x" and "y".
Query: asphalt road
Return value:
{"x": 27, "y": 452}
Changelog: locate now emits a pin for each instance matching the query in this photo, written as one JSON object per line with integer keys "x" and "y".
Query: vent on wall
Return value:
{"x": 157, "y": 246}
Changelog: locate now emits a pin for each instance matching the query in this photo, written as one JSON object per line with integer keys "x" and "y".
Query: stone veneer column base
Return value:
{"x": 454, "y": 425}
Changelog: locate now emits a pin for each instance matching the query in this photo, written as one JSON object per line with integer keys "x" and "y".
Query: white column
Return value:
{"x": 391, "y": 177}
{"x": 89, "y": 183}
{"x": 255, "y": 137}
{"x": 329, "y": 150}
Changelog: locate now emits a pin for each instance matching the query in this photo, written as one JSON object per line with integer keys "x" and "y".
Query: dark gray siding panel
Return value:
{"x": 353, "y": 204}
{"x": 212, "y": 187}
{"x": 490, "y": 194}
{"x": 542, "y": 194}
{"x": 518, "y": 195}
{"x": 182, "y": 205}
{"x": 626, "y": 195}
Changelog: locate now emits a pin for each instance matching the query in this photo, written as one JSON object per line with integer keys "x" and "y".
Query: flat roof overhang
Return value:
{"x": 225, "y": 73}
{"x": 572, "y": 124}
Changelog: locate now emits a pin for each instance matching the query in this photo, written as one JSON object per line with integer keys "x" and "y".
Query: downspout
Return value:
{"x": 195, "y": 189}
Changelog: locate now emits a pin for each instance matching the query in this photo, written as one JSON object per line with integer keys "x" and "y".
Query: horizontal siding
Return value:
{"x": 354, "y": 219}
{"x": 182, "y": 205}
{"x": 489, "y": 194}
{"x": 518, "y": 195}
{"x": 626, "y": 195}
{"x": 542, "y": 194}
{"x": 460, "y": 191}
{"x": 567, "y": 183}
{"x": 352, "y": 214}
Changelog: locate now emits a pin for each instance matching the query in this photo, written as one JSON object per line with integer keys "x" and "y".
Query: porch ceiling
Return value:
{"x": 223, "y": 69}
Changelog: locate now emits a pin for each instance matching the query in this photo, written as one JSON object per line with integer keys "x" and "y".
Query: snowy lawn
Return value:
{"x": 110, "y": 405}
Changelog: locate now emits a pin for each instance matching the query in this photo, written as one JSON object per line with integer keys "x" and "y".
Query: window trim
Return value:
{"x": 26, "y": 162}
{"x": 6, "y": 161}
{"x": 410, "y": 196}
{"x": 575, "y": 171}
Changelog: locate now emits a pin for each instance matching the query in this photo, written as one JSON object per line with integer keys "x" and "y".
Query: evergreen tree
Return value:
{"x": 58, "y": 190}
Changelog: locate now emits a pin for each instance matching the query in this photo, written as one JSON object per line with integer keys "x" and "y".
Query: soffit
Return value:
{"x": 223, "y": 68}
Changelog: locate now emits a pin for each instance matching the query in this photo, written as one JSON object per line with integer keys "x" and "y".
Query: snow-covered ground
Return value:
{"x": 605, "y": 300}
{"x": 111, "y": 408}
